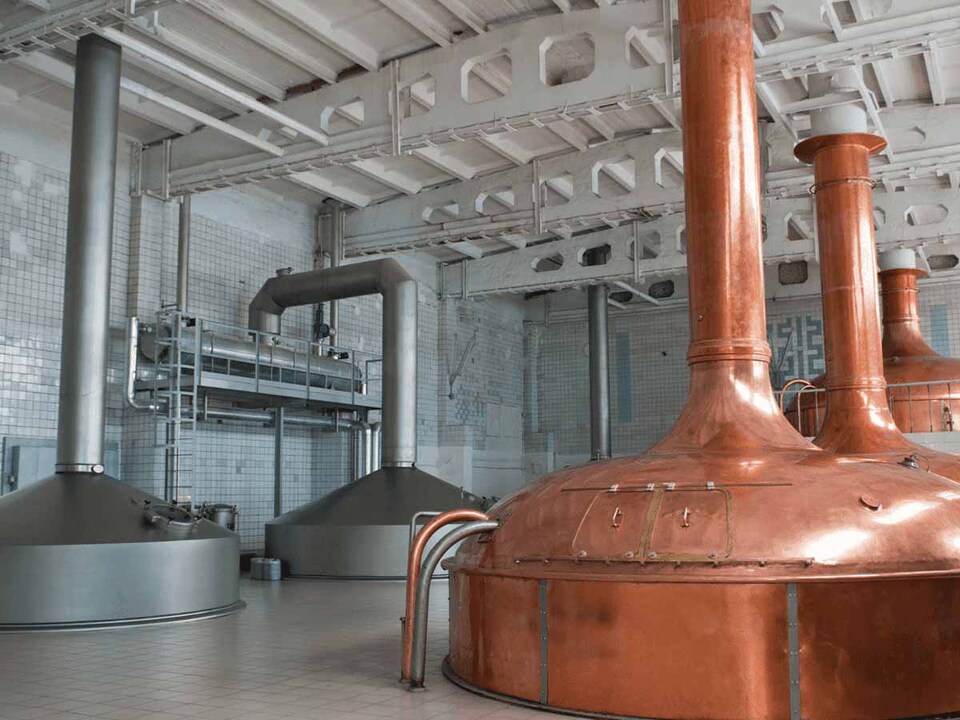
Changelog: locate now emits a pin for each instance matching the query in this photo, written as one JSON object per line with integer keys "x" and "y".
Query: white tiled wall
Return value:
{"x": 33, "y": 227}
{"x": 238, "y": 241}
{"x": 481, "y": 427}
{"x": 232, "y": 463}
{"x": 648, "y": 371}
{"x": 518, "y": 408}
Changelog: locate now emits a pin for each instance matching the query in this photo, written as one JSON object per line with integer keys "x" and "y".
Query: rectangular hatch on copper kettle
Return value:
{"x": 657, "y": 524}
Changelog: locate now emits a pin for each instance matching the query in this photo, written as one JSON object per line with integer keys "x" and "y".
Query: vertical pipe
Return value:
{"x": 356, "y": 440}
{"x": 600, "y": 446}
{"x": 336, "y": 254}
{"x": 367, "y": 449}
{"x": 395, "y": 107}
{"x": 183, "y": 255}
{"x": 399, "y": 411}
{"x": 86, "y": 296}
{"x": 278, "y": 462}
{"x": 374, "y": 447}
{"x": 848, "y": 266}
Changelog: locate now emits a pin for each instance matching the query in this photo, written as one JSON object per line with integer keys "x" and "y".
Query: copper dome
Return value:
{"x": 735, "y": 570}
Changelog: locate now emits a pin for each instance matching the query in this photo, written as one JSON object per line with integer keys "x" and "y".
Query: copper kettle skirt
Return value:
{"x": 863, "y": 649}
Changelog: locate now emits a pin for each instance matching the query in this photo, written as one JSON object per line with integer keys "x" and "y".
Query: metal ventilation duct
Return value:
{"x": 79, "y": 548}
{"x": 735, "y": 570}
{"x": 360, "y": 530}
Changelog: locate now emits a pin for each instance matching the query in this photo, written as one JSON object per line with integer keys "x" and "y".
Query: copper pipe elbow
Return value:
{"x": 420, "y": 541}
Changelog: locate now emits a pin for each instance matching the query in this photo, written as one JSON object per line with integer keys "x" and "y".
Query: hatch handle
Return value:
{"x": 617, "y": 520}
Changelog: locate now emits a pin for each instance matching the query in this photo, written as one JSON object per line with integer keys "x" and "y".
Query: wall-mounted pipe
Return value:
{"x": 362, "y": 452}
{"x": 86, "y": 292}
{"x": 600, "y": 445}
{"x": 418, "y": 661}
{"x": 279, "y": 420}
{"x": 375, "y": 432}
{"x": 399, "y": 290}
{"x": 361, "y": 435}
{"x": 367, "y": 450}
{"x": 330, "y": 227}
{"x": 133, "y": 348}
{"x": 183, "y": 255}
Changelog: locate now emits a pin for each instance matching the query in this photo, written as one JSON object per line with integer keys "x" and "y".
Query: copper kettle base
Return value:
{"x": 816, "y": 650}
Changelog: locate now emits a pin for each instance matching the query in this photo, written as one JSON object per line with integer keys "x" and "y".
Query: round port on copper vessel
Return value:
{"x": 870, "y": 502}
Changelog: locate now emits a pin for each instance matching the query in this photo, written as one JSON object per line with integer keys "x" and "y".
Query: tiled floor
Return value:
{"x": 305, "y": 649}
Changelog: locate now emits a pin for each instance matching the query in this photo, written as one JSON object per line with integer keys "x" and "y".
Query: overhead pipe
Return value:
{"x": 399, "y": 290}
{"x": 600, "y": 444}
{"x": 267, "y": 418}
{"x": 183, "y": 254}
{"x": 86, "y": 292}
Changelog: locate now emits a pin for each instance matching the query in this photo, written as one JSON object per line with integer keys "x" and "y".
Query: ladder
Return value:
{"x": 176, "y": 386}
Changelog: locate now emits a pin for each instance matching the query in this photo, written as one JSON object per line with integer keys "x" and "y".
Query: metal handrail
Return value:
{"x": 898, "y": 396}
{"x": 796, "y": 381}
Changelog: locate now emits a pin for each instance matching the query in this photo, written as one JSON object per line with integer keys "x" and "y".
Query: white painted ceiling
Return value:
{"x": 279, "y": 50}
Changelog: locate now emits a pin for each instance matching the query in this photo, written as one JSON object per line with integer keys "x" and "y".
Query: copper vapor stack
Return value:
{"x": 734, "y": 571}
{"x": 858, "y": 419}
{"x": 928, "y": 399}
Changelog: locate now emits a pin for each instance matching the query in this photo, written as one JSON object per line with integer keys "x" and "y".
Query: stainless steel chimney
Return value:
{"x": 81, "y": 549}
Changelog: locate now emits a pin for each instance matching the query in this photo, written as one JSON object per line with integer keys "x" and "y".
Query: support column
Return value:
{"x": 86, "y": 294}
{"x": 600, "y": 446}
{"x": 278, "y": 462}
{"x": 183, "y": 255}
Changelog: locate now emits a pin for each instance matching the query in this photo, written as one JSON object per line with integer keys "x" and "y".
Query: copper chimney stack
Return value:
{"x": 927, "y": 398}
{"x": 858, "y": 418}
{"x": 735, "y": 570}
